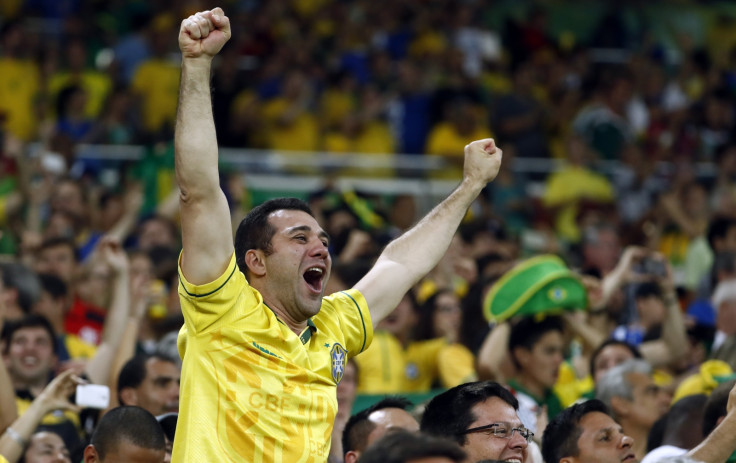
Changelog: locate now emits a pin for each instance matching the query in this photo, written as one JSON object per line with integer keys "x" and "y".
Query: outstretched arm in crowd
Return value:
{"x": 140, "y": 289}
{"x": 55, "y": 396}
{"x": 721, "y": 442}
{"x": 8, "y": 409}
{"x": 207, "y": 236}
{"x": 98, "y": 368}
{"x": 411, "y": 256}
{"x": 672, "y": 343}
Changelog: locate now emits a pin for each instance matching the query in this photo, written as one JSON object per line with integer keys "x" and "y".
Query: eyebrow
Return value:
{"x": 307, "y": 228}
{"x": 609, "y": 430}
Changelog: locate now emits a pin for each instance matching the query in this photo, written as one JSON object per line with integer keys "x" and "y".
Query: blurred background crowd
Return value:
{"x": 617, "y": 123}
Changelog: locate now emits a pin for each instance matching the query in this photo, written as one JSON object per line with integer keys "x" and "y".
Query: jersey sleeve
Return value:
{"x": 350, "y": 312}
{"x": 205, "y": 305}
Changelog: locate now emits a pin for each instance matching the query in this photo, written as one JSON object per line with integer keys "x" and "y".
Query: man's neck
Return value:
{"x": 532, "y": 386}
{"x": 34, "y": 388}
{"x": 296, "y": 326}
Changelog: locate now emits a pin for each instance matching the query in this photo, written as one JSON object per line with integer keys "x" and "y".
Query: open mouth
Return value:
{"x": 630, "y": 458}
{"x": 313, "y": 277}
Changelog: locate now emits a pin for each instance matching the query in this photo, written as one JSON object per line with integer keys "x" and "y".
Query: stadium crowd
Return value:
{"x": 603, "y": 290}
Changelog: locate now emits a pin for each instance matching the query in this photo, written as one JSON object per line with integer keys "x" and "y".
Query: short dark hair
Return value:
{"x": 60, "y": 241}
{"x": 715, "y": 406}
{"x": 450, "y": 413}
{"x": 648, "y": 289}
{"x": 134, "y": 371}
{"x": 53, "y": 285}
{"x": 528, "y": 331}
{"x": 30, "y": 320}
{"x": 401, "y": 446}
{"x": 718, "y": 229}
{"x": 255, "y": 231}
{"x": 358, "y": 426}
{"x": 24, "y": 280}
{"x": 131, "y": 424}
{"x": 561, "y": 435}
{"x": 611, "y": 342}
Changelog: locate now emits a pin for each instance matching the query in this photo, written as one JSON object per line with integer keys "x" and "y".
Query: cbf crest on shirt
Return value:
{"x": 339, "y": 356}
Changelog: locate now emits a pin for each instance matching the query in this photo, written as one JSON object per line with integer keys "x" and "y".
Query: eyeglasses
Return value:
{"x": 502, "y": 430}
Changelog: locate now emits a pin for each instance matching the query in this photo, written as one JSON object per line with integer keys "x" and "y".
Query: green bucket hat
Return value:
{"x": 540, "y": 285}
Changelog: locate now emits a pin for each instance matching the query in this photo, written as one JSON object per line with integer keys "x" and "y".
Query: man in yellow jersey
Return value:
{"x": 262, "y": 350}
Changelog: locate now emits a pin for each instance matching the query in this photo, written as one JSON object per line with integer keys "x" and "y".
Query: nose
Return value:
{"x": 517, "y": 441}
{"x": 320, "y": 249}
{"x": 626, "y": 441}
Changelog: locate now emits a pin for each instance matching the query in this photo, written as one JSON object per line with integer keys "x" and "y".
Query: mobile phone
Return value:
{"x": 92, "y": 396}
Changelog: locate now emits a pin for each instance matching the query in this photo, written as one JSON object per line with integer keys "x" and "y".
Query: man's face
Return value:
{"x": 125, "y": 452}
{"x": 484, "y": 445}
{"x": 602, "y": 441}
{"x": 50, "y": 307}
{"x": 651, "y": 311}
{"x": 609, "y": 357}
{"x": 542, "y": 363}
{"x": 30, "y": 358}
{"x": 159, "y": 391}
{"x": 649, "y": 403}
{"x": 299, "y": 266}
{"x": 728, "y": 242}
{"x": 726, "y": 317}
{"x": 59, "y": 261}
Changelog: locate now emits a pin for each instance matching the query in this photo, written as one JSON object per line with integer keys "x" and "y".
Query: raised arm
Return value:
{"x": 111, "y": 252}
{"x": 411, "y": 256}
{"x": 207, "y": 238}
{"x": 721, "y": 442}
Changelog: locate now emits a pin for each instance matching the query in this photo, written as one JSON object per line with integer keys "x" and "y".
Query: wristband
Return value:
{"x": 13, "y": 434}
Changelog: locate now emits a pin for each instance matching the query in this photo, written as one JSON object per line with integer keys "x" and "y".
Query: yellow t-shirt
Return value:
{"x": 386, "y": 368}
{"x": 19, "y": 87}
{"x": 157, "y": 81}
{"x": 301, "y": 134}
{"x": 251, "y": 389}
{"x": 79, "y": 348}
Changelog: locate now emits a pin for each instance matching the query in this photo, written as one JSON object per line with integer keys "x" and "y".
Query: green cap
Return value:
{"x": 540, "y": 285}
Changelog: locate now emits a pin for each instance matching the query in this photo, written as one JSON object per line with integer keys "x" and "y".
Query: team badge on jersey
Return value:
{"x": 339, "y": 357}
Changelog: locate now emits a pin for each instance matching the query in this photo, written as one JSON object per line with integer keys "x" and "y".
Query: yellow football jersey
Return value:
{"x": 251, "y": 389}
{"x": 388, "y": 368}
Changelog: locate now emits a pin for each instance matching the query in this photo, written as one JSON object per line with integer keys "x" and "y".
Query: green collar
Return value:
{"x": 307, "y": 333}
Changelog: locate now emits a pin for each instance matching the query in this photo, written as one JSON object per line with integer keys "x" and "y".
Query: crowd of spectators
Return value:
{"x": 641, "y": 202}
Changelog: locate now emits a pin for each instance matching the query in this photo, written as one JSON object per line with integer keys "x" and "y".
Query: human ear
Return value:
{"x": 569, "y": 460}
{"x": 255, "y": 262}
{"x": 90, "y": 454}
{"x": 129, "y": 396}
{"x": 521, "y": 354}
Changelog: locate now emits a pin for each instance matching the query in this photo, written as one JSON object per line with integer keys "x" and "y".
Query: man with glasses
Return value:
{"x": 481, "y": 417}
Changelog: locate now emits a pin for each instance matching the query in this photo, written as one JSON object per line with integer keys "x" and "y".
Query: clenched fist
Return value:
{"x": 204, "y": 34}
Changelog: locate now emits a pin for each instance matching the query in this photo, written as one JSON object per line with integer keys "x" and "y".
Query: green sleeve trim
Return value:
{"x": 211, "y": 292}
{"x": 362, "y": 320}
